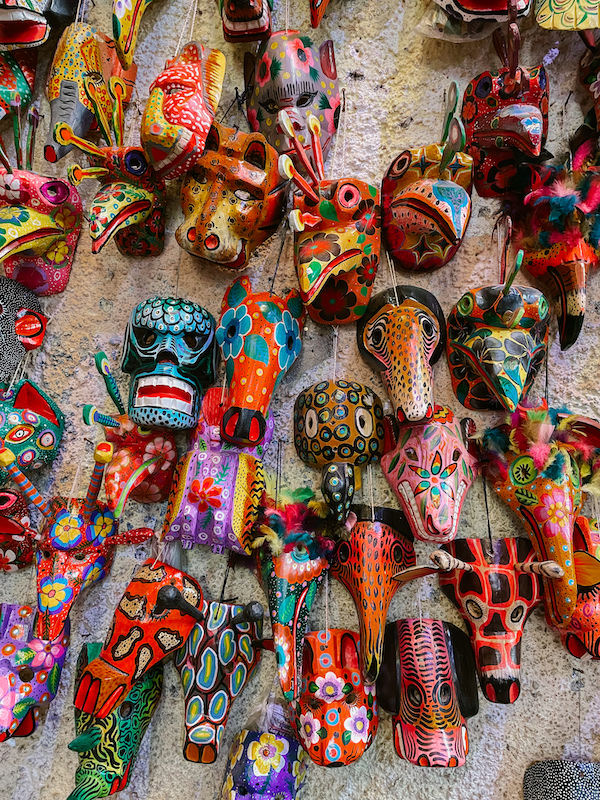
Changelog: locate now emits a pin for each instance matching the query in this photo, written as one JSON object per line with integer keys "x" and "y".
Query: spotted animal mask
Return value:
{"x": 336, "y": 715}
{"x": 170, "y": 352}
{"x": 218, "y": 487}
{"x": 505, "y": 114}
{"x": 289, "y": 73}
{"x": 426, "y": 207}
{"x": 154, "y": 618}
{"x": 31, "y": 426}
{"x": 338, "y": 426}
{"x": 16, "y": 536}
{"x": 30, "y": 670}
{"x": 377, "y": 549}
{"x": 496, "y": 345}
{"x": 108, "y": 747}
{"x": 126, "y": 19}
{"x": 561, "y": 780}
{"x": 427, "y": 682}
{"x": 181, "y": 109}
{"x": 216, "y": 662}
{"x": 246, "y": 20}
{"x": 232, "y": 199}
{"x": 260, "y": 337}
{"x": 22, "y": 326}
{"x": 27, "y": 23}
{"x": 430, "y": 470}
{"x": 401, "y": 335}
{"x": 78, "y": 87}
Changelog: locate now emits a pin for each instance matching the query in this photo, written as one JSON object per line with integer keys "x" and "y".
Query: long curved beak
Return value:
{"x": 433, "y": 206}
{"x": 125, "y": 30}
{"x": 117, "y": 206}
{"x": 33, "y": 236}
{"x": 567, "y": 283}
{"x": 518, "y": 126}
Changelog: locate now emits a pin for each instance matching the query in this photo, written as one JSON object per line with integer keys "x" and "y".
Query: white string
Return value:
{"x": 336, "y": 333}
{"x": 287, "y": 15}
{"x": 393, "y": 277}
{"x": 345, "y": 138}
{"x": 185, "y": 27}
{"x": 223, "y": 387}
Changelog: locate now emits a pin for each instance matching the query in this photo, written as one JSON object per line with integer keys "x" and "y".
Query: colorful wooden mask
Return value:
{"x": 338, "y": 426}
{"x": 30, "y": 669}
{"x": 264, "y": 765}
{"x": 215, "y": 664}
{"x": 108, "y": 747}
{"x": 484, "y": 10}
{"x": 289, "y": 73}
{"x": 181, "y": 109}
{"x": 380, "y": 545}
{"x": 401, "y": 335}
{"x": 246, "y": 20}
{"x": 537, "y": 465}
{"x": 427, "y": 682}
{"x": 430, "y": 470}
{"x": 495, "y": 590}
{"x": 336, "y": 715}
{"x": 78, "y": 85}
{"x": 40, "y": 223}
{"x": 232, "y": 199}
{"x": 170, "y": 351}
{"x": 217, "y": 488}
{"x": 31, "y": 426}
{"x": 260, "y": 337}
{"x": 17, "y": 77}
{"x": 337, "y": 234}
{"x": 573, "y": 15}
{"x": 562, "y": 780}
{"x": 126, "y": 18}
{"x": 496, "y": 345}
{"x": 505, "y": 113}
{"x": 27, "y": 23}
{"x": 16, "y": 535}
{"x": 154, "y": 618}
{"x": 22, "y": 326}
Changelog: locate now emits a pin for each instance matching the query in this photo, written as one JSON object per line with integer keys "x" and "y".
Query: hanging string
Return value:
{"x": 370, "y": 474}
{"x": 287, "y": 15}
{"x": 345, "y": 137}
{"x": 185, "y": 25}
{"x": 487, "y": 514}
{"x": 161, "y": 546}
{"x": 281, "y": 246}
{"x": 223, "y": 388}
{"x": 229, "y": 560}
{"x": 334, "y": 338}
{"x": 393, "y": 277}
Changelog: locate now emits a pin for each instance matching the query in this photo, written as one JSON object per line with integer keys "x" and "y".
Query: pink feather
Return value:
{"x": 592, "y": 199}
{"x": 539, "y": 452}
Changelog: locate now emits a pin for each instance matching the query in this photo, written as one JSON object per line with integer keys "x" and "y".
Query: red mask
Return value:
{"x": 16, "y": 535}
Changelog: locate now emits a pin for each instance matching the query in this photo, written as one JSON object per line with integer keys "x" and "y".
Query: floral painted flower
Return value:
{"x": 330, "y": 687}
{"x": 121, "y": 7}
{"x": 67, "y": 529}
{"x": 159, "y": 446}
{"x": 295, "y": 566}
{"x": 101, "y": 526}
{"x": 46, "y": 653}
{"x": 332, "y": 114}
{"x": 322, "y": 246}
{"x": 287, "y": 336}
{"x": 54, "y": 594}
{"x": 299, "y": 768}
{"x": 234, "y": 326}
{"x": 301, "y": 54}
{"x": 267, "y": 754}
{"x": 367, "y": 217}
{"x": 367, "y": 270}
{"x": 434, "y": 479}
{"x": 66, "y": 218}
{"x": 282, "y": 639}
{"x": 8, "y": 698}
{"x": 205, "y": 494}
{"x": 309, "y": 729}
{"x": 226, "y": 792}
{"x": 334, "y": 301}
{"x": 468, "y": 111}
{"x": 237, "y": 754}
{"x": 10, "y": 189}
{"x": 94, "y": 572}
{"x": 58, "y": 252}
{"x": 253, "y": 119}
{"x": 555, "y": 513}
{"x": 263, "y": 70}
{"x": 7, "y": 561}
{"x": 147, "y": 492}
{"x": 358, "y": 724}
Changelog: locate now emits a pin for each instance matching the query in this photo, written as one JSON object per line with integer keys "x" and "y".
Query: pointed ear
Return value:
{"x": 462, "y": 661}
{"x": 587, "y": 569}
{"x": 327, "y": 58}
{"x": 236, "y": 293}
{"x": 249, "y": 69}
{"x": 349, "y": 652}
{"x": 28, "y": 396}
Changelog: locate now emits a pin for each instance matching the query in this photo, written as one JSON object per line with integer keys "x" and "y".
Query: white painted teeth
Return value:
{"x": 157, "y": 400}
{"x": 163, "y": 402}
{"x": 165, "y": 380}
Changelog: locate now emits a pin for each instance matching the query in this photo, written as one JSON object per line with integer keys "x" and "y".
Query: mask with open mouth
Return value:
{"x": 246, "y": 20}
{"x": 181, "y": 108}
{"x": 31, "y": 426}
{"x": 289, "y": 73}
{"x": 27, "y": 23}
{"x": 22, "y": 326}
{"x": 170, "y": 351}
{"x": 232, "y": 199}
{"x": 16, "y": 536}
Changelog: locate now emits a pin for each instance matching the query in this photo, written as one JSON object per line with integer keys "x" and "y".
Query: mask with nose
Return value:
{"x": 170, "y": 352}
{"x": 289, "y": 73}
{"x": 401, "y": 335}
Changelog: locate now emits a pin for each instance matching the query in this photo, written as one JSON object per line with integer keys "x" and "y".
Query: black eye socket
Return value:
{"x": 26, "y": 674}
{"x": 242, "y": 791}
{"x": 517, "y": 613}
{"x": 343, "y": 553}
{"x": 484, "y": 87}
{"x": 125, "y": 710}
{"x": 473, "y": 609}
{"x": 79, "y": 557}
{"x": 398, "y": 554}
{"x": 305, "y": 99}
{"x": 351, "y": 698}
{"x": 175, "y": 89}
{"x": 456, "y": 455}
{"x": 270, "y": 106}
{"x": 192, "y": 340}
{"x": 445, "y": 694}
{"x": 414, "y": 694}
{"x": 55, "y": 191}
{"x": 377, "y": 336}
{"x": 146, "y": 338}
{"x": 136, "y": 163}
{"x": 427, "y": 326}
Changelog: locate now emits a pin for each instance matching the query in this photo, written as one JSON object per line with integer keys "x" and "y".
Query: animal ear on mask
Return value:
{"x": 235, "y": 293}
{"x": 327, "y": 58}
{"x": 29, "y": 397}
{"x": 349, "y": 652}
{"x": 463, "y": 668}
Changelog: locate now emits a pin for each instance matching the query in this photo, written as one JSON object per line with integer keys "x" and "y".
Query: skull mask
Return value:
{"x": 496, "y": 344}
{"x": 181, "y": 109}
{"x": 402, "y": 334}
{"x": 246, "y": 20}
{"x": 170, "y": 352}
{"x": 22, "y": 326}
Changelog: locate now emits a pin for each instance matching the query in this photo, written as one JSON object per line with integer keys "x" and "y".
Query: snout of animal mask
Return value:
{"x": 246, "y": 20}
{"x": 380, "y": 545}
{"x": 338, "y": 426}
{"x": 401, "y": 335}
{"x": 430, "y": 470}
{"x": 232, "y": 199}
{"x": 427, "y": 682}
{"x": 181, "y": 109}
{"x": 22, "y": 326}
{"x": 336, "y": 715}
{"x": 16, "y": 534}
{"x": 496, "y": 345}
{"x": 426, "y": 209}
{"x": 260, "y": 337}
{"x": 216, "y": 662}
{"x": 27, "y": 23}
{"x": 108, "y": 747}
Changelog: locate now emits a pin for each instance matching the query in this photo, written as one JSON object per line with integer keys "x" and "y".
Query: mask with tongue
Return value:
{"x": 22, "y": 326}
{"x": 170, "y": 351}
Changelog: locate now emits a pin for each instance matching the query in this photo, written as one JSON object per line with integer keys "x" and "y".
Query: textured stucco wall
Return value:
{"x": 394, "y": 84}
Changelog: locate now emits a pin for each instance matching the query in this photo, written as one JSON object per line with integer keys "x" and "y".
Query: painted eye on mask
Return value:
{"x": 95, "y": 77}
{"x": 125, "y": 710}
{"x": 378, "y": 335}
{"x": 517, "y": 613}
{"x": 427, "y": 327}
{"x": 473, "y": 609}
{"x": 242, "y": 194}
{"x": 20, "y": 434}
{"x": 270, "y": 106}
{"x": 343, "y": 553}
{"x": 414, "y": 694}
{"x": 145, "y": 337}
{"x": 136, "y": 163}
{"x": 175, "y": 90}
{"x": 143, "y": 431}
{"x": 445, "y": 694}
{"x": 305, "y": 99}
{"x": 54, "y": 192}
{"x": 465, "y": 304}
{"x": 47, "y": 440}
{"x": 456, "y": 455}
{"x": 411, "y": 453}
{"x": 312, "y": 423}
{"x": 484, "y": 87}
{"x": 364, "y": 422}
{"x": 348, "y": 195}
{"x": 193, "y": 341}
